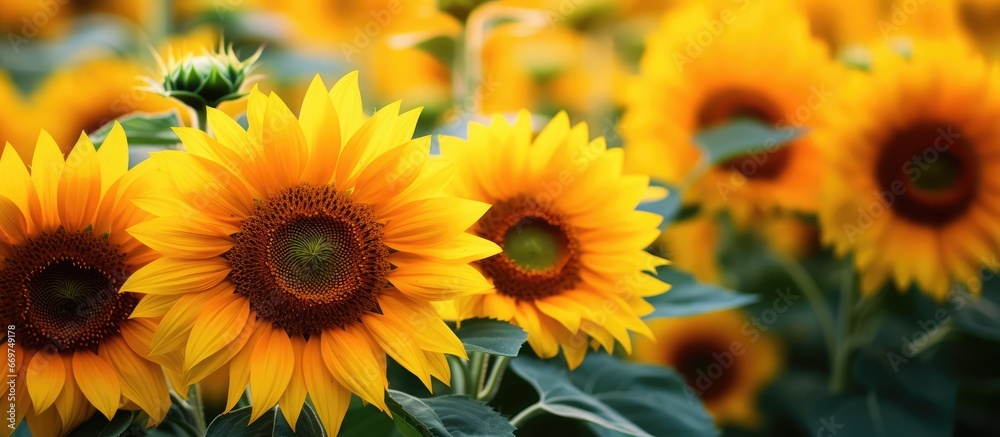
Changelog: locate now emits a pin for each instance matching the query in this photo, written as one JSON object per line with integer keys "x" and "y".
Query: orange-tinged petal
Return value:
{"x": 207, "y": 186}
{"x": 239, "y": 367}
{"x": 271, "y": 367}
{"x": 295, "y": 394}
{"x": 351, "y": 357}
{"x": 176, "y": 276}
{"x": 142, "y": 381}
{"x": 46, "y": 377}
{"x": 394, "y": 338}
{"x": 15, "y": 183}
{"x": 72, "y": 405}
{"x": 216, "y": 327}
{"x": 183, "y": 237}
{"x": 392, "y": 173}
{"x": 431, "y": 221}
{"x": 175, "y": 327}
{"x": 79, "y": 186}
{"x": 329, "y": 397}
{"x": 98, "y": 381}
{"x": 13, "y": 227}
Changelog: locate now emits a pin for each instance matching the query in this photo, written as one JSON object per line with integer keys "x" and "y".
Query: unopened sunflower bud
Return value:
{"x": 205, "y": 80}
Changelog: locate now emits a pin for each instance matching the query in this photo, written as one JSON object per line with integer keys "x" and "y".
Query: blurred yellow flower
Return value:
{"x": 689, "y": 82}
{"x": 978, "y": 20}
{"x": 302, "y": 251}
{"x": 724, "y": 357}
{"x": 677, "y": 242}
{"x": 66, "y": 254}
{"x": 88, "y": 96}
{"x": 572, "y": 268}
{"x": 910, "y": 190}
{"x": 18, "y": 121}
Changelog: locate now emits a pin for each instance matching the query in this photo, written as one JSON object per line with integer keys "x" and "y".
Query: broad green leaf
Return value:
{"x": 143, "y": 129}
{"x": 617, "y": 398}
{"x": 237, "y": 423}
{"x": 367, "y": 421}
{"x": 911, "y": 398}
{"x": 446, "y": 416}
{"x": 743, "y": 137}
{"x": 491, "y": 336}
{"x": 100, "y": 426}
{"x": 688, "y": 297}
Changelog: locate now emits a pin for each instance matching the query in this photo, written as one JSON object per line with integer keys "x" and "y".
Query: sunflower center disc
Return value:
{"x": 731, "y": 104}
{"x": 309, "y": 258}
{"x": 64, "y": 290}
{"x": 541, "y": 256}
{"x": 931, "y": 172}
{"x": 706, "y": 368}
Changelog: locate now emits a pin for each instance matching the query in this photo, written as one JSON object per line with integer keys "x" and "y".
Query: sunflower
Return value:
{"x": 978, "y": 20}
{"x": 687, "y": 84}
{"x": 18, "y": 123}
{"x": 64, "y": 254}
{"x": 572, "y": 269}
{"x": 723, "y": 357}
{"x": 701, "y": 232}
{"x": 909, "y": 190}
{"x": 112, "y": 90}
{"x": 304, "y": 250}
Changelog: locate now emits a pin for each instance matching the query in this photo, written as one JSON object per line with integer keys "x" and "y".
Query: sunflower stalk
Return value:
{"x": 841, "y": 359}
{"x": 492, "y": 386}
{"x": 197, "y": 407}
{"x": 814, "y": 295}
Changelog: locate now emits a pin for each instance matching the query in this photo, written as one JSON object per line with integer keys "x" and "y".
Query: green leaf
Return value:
{"x": 741, "y": 137}
{"x": 237, "y": 423}
{"x": 100, "y": 426}
{"x": 441, "y": 47}
{"x": 446, "y": 416}
{"x": 688, "y": 297}
{"x": 492, "y": 337}
{"x": 910, "y": 397}
{"x": 617, "y": 398}
{"x": 143, "y": 129}
{"x": 978, "y": 316}
{"x": 366, "y": 421}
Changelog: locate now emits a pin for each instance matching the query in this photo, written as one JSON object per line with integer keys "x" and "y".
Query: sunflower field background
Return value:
{"x": 496, "y": 218}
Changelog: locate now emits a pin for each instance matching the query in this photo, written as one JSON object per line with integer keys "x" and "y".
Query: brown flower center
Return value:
{"x": 541, "y": 255}
{"x": 61, "y": 290}
{"x": 707, "y": 366}
{"x": 734, "y": 103}
{"x": 309, "y": 258}
{"x": 931, "y": 171}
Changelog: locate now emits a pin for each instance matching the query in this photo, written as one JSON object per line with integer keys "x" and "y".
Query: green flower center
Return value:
{"x": 534, "y": 245}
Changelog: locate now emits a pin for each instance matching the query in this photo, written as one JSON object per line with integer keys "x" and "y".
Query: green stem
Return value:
{"x": 522, "y": 417}
{"x": 935, "y": 338}
{"x": 477, "y": 365}
{"x": 814, "y": 295}
{"x": 842, "y": 358}
{"x": 198, "y": 408}
{"x": 201, "y": 113}
{"x": 459, "y": 375}
{"x": 492, "y": 385}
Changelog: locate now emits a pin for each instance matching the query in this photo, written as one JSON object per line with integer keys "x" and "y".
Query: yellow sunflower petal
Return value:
{"x": 431, "y": 221}
{"x": 79, "y": 186}
{"x": 351, "y": 357}
{"x": 294, "y": 397}
{"x": 175, "y": 276}
{"x": 13, "y": 227}
{"x": 98, "y": 381}
{"x": 183, "y": 237}
{"x": 329, "y": 397}
{"x": 46, "y": 377}
{"x": 346, "y": 97}
{"x": 15, "y": 183}
{"x": 321, "y": 128}
{"x": 46, "y": 166}
{"x": 72, "y": 405}
{"x": 142, "y": 381}
{"x": 272, "y": 364}
{"x": 113, "y": 157}
{"x": 216, "y": 327}
{"x": 438, "y": 281}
